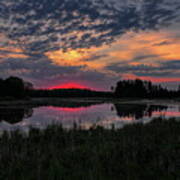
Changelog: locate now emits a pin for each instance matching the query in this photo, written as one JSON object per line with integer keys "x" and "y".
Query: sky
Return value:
{"x": 90, "y": 43}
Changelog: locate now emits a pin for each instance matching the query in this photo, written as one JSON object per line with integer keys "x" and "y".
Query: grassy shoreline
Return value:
{"x": 139, "y": 151}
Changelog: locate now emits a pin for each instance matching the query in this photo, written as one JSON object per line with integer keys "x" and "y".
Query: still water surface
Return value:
{"x": 12, "y": 118}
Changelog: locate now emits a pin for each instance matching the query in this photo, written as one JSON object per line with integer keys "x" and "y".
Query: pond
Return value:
{"x": 84, "y": 115}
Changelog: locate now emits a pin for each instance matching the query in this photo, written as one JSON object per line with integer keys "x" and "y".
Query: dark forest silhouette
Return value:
{"x": 14, "y": 87}
{"x": 18, "y": 88}
{"x": 143, "y": 89}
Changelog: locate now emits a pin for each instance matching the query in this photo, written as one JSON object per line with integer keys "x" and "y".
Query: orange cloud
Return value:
{"x": 155, "y": 46}
{"x": 70, "y": 57}
{"x": 12, "y": 52}
{"x": 76, "y": 57}
{"x": 20, "y": 56}
{"x": 132, "y": 45}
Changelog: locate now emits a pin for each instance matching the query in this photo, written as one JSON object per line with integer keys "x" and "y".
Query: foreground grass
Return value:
{"x": 150, "y": 151}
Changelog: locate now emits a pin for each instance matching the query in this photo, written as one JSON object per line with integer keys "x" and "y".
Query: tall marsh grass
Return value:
{"x": 136, "y": 152}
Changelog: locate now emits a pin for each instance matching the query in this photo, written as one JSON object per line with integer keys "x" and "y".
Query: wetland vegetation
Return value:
{"x": 139, "y": 151}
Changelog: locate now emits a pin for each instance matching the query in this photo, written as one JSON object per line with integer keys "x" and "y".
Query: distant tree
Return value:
{"x": 14, "y": 87}
{"x": 178, "y": 92}
{"x": 28, "y": 86}
{"x": 2, "y": 90}
{"x": 131, "y": 88}
{"x": 112, "y": 88}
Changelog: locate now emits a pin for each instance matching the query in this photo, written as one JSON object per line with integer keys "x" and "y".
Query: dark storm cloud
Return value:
{"x": 165, "y": 69}
{"x": 43, "y": 25}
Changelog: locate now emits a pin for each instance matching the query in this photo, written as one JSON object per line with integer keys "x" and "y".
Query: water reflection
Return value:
{"x": 85, "y": 114}
{"x": 13, "y": 115}
{"x": 137, "y": 111}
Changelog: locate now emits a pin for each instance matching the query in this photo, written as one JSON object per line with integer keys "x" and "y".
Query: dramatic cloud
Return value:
{"x": 164, "y": 69}
{"x": 43, "y": 25}
{"x": 42, "y": 39}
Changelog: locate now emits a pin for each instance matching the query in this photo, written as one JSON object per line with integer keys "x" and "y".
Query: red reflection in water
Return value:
{"x": 167, "y": 113}
{"x": 71, "y": 85}
{"x": 68, "y": 109}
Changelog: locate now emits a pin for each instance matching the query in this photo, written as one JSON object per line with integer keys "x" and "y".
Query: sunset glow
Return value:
{"x": 97, "y": 43}
{"x": 152, "y": 79}
{"x": 70, "y": 57}
{"x": 89, "y": 89}
{"x": 71, "y": 85}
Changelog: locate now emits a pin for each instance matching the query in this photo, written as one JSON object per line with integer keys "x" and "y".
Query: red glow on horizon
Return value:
{"x": 71, "y": 85}
{"x": 152, "y": 79}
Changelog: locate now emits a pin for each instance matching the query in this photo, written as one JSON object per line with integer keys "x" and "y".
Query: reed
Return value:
{"x": 135, "y": 152}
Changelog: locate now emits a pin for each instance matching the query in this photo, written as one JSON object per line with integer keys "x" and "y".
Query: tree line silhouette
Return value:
{"x": 143, "y": 89}
{"x": 14, "y": 87}
{"x": 18, "y": 88}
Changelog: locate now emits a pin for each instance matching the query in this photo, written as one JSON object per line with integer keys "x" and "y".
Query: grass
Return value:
{"x": 150, "y": 151}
